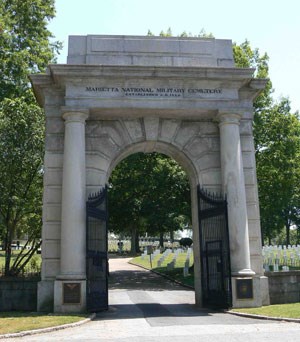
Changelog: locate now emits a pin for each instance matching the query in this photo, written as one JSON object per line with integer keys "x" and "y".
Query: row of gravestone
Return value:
{"x": 172, "y": 263}
{"x": 275, "y": 256}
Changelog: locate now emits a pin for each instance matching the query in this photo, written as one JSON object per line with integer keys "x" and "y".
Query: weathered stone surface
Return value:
{"x": 52, "y": 176}
{"x": 158, "y": 51}
{"x": 54, "y": 143}
{"x": 51, "y": 231}
{"x": 55, "y": 125}
{"x": 248, "y": 160}
{"x": 52, "y": 249}
{"x": 97, "y": 161}
{"x": 95, "y": 177}
{"x": 134, "y": 128}
{"x": 17, "y": 294}
{"x": 53, "y": 160}
{"x": 253, "y": 211}
{"x": 199, "y": 146}
{"x": 211, "y": 177}
{"x": 247, "y": 144}
{"x": 254, "y": 227}
{"x": 52, "y": 194}
{"x": 209, "y": 160}
{"x": 52, "y": 212}
{"x": 186, "y": 132}
{"x": 103, "y": 144}
{"x": 246, "y": 127}
{"x": 284, "y": 287}
{"x": 50, "y": 268}
{"x": 151, "y": 126}
{"x": 168, "y": 129}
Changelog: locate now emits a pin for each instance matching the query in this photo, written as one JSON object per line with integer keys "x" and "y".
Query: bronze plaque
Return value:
{"x": 244, "y": 288}
{"x": 71, "y": 293}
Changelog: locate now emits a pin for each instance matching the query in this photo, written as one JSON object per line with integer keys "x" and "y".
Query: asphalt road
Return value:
{"x": 145, "y": 307}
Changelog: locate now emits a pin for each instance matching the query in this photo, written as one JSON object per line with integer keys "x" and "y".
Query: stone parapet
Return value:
{"x": 151, "y": 51}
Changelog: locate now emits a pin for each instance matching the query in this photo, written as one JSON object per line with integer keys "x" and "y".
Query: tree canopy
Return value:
{"x": 148, "y": 193}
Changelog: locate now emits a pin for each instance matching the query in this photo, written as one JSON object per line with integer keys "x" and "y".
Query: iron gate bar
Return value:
{"x": 215, "y": 252}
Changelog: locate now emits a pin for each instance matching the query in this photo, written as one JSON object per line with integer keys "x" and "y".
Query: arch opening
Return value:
{"x": 156, "y": 205}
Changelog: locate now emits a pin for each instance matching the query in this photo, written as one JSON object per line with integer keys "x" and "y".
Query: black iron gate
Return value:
{"x": 215, "y": 252}
{"x": 96, "y": 252}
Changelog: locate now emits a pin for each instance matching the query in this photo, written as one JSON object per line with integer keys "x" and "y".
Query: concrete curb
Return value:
{"x": 282, "y": 319}
{"x": 44, "y": 330}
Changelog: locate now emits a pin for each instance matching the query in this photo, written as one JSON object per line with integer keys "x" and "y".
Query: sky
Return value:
{"x": 272, "y": 26}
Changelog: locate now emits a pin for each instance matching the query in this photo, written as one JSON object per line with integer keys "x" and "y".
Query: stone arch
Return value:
{"x": 173, "y": 152}
{"x": 116, "y": 95}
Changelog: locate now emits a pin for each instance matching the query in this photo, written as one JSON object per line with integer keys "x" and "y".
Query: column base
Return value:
{"x": 250, "y": 292}
{"x": 246, "y": 272}
{"x": 69, "y": 295}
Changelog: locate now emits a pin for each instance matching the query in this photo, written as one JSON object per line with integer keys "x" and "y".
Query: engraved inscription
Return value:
{"x": 155, "y": 92}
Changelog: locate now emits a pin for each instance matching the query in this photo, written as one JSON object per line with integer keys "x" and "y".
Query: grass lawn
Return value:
{"x": 176, "y": 273}
{"x": 34, "y": 264}
{"x": 279, "y": 310}
{"x": 13, "y": 322}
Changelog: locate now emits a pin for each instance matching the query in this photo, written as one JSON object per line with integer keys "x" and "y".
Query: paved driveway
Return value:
{"x": 145, "y": 307}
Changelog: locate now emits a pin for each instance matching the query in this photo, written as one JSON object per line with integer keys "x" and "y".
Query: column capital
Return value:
{"x": 74, "y": 114}
{"x": 229, "y": 117}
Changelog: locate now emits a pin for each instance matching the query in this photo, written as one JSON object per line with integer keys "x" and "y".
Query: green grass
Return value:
{"x": 34, "y": 264}
{"x": 279, "y": 310}
{"x": 176, "y": 273}
{"x": 13, "y": 322}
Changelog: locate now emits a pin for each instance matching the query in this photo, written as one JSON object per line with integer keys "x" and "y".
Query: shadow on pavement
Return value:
{"x": 152, "y": 310}
{"x": 142, "y": 280}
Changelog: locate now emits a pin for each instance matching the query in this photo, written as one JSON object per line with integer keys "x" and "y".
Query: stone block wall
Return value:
{"x": 18, "y": 294}
{"x": 284, "y": 287}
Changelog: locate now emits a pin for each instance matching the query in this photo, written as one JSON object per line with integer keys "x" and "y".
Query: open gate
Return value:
{"x": 96, "y": 252}
{"x": 214, "y": 250}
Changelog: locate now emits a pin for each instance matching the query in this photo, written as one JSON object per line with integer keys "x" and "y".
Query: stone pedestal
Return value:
{"x": 69, "y": 296}
{"x": 258, "y": 296}
{"x": 73, "y": 221}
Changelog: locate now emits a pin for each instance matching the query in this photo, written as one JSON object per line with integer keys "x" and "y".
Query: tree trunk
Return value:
{"x": 161, "y": 240}
{"x": 135, "y": 248}
{"x": 137, "y": 242}
{"x": 287, "y": 227}
{"x": 172, "y": 236}
{"x": 8, "y": 241}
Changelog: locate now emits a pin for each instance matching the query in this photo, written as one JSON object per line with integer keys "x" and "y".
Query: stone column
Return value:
{"x": 234, "y": 187}
{"x": 73, "y": 219}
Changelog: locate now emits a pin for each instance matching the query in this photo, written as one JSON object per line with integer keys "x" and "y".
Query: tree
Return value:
{"x": 148, "y": 193}
{"x": 276, "y": 137}
{"x": 278, "y": 169}
{"x": 25, "y": 43}
{"x": 21, "y": 153}
{"x": 25, "y": 49}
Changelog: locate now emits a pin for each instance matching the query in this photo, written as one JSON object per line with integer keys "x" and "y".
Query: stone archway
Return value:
{"x": 118, "y": 94}
{"x": 183, "y": 160}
